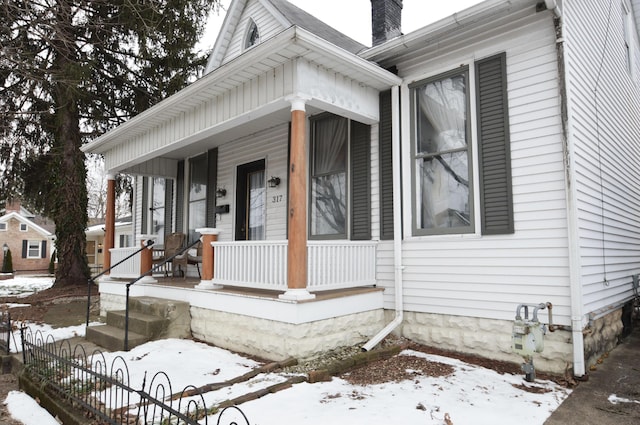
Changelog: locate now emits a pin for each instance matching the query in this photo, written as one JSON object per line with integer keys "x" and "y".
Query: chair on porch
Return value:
{"x": 196, "y": 259}
{"x": 172, "y": 245}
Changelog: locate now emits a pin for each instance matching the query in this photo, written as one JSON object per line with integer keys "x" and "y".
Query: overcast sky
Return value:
{"x": 353, "y": 17}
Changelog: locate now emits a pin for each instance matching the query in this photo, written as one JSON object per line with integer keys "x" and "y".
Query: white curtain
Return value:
{"x": 329, "y": 185}
{"x": 444, "y": 176}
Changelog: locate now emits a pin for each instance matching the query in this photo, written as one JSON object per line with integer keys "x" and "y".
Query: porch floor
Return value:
{"x": 191, "y": 282}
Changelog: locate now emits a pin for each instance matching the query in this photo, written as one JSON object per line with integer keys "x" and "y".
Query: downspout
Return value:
{"x": 577, "y": 336}
{"x": 397, "y": 222}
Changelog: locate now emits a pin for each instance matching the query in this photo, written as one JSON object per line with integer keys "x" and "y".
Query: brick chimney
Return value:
{"x": 12, "y": 206}
{"x": 385, "y": 20}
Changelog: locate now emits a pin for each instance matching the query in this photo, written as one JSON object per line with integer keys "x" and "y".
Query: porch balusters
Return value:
{"x": 209, "y": 235}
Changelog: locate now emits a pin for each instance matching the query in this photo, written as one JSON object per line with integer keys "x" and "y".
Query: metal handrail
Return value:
{"x": 150, "y": 271}
{"x": 91, "y": 280}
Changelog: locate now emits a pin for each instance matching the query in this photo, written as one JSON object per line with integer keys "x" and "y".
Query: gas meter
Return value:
{"x": 528, "y": 336}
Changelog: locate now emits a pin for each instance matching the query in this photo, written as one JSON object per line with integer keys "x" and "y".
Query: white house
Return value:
{"x": 426, "y": 186}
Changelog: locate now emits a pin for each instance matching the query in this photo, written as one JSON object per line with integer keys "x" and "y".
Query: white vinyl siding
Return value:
{"x": 271, "y": 145}
{"x": 268, "y": 26}
{"x": 604, "y": 111}
{"x": 488, "y": 276}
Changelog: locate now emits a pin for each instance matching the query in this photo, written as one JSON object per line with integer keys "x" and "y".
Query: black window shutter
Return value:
{"x": 360, "y": 181}
{"x": 386, "y": 167}
{"x": 496, "y": 199}
{"x": 43, "y": 250}
{"x": 168, "y": 206}
{"x": 180, "y": 198}
{"x": 24, "y": 248}
{"x": 212, "y": 184}
{"x": 144, "y": 224}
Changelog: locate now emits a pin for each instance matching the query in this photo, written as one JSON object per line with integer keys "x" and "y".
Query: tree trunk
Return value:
{"x": 68, "y": 169}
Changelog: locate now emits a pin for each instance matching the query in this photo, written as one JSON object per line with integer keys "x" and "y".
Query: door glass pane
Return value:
{"x": 256, "y": 205}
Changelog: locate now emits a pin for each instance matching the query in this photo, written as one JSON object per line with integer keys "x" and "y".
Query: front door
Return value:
{"x": 251, "y": 201}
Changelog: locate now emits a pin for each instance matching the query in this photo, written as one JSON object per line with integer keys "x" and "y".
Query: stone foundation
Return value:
{"x": 275, "y": 340}
{"x": 601, "y": 336}
{"x": 486, "y": 338}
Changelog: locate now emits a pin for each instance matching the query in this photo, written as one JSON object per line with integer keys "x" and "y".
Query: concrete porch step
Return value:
{"x": 140, "y": 323}
{"x": 112, "y": 338}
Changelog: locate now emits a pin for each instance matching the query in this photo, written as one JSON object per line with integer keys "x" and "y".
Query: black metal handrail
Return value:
{"x": 151, "y": 271}
{"x": 148, "y": 244}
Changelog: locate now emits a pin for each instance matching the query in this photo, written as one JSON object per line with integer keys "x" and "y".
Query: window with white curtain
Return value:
{"x": 157, "y": 205}
{"x": 197, "y": 195}
{"x": 329, "y": 176}
{"x": 443, "y": 198}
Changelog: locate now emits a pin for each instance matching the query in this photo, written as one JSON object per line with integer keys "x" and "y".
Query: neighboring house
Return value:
{"x": 31, "y": 244}
{"x": 124, "y": 238}
{"x": 427, "y": 185}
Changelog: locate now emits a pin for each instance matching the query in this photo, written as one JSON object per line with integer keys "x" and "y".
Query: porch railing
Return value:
{"x": 263, "y": 264}
{"x": 129, "y": 268}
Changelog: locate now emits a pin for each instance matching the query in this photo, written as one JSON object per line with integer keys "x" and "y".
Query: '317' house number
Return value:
{"x": 276, "y": 198}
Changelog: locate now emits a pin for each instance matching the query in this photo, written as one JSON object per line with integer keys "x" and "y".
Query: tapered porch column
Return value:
{"x": 297, "y": 214}
{"x": 208, "y": 235}
{"x": 146, "y": 257}
{"x": 110, "y": 222}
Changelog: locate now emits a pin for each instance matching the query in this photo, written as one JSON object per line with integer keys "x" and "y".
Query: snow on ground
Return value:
{"x": 24, "y": 285}
{"x": 471, "y": 394}
{"x": 27, "y": 410}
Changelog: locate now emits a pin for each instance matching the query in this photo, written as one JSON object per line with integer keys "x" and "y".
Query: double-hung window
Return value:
{"x": 443, "y": 154}
{"x": 443, "y": 151}
{"x": 33, "y": 249}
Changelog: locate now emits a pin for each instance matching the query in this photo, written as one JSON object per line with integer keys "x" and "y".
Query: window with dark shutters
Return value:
{"x": 360, "y": 181}
{"x": 25, "y": 248}
{"x": 386, "y": 167}
{"x": 43, "y": 250}
{"x": 496, "y": 200}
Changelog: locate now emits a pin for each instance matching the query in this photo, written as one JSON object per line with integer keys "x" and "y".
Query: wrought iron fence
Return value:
{"x": 5, "y": 332}
{"x": 104, "y": 390}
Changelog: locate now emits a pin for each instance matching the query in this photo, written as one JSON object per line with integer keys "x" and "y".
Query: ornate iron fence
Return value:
{"x": 104, "y": 391}
{"x": 5, "y": 332}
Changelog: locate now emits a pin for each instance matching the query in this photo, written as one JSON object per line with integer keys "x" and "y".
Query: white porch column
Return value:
{"x": 297, "y": 216}
{"x": 209, "y": 235}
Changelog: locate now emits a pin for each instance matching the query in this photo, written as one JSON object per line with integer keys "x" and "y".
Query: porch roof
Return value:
{"x": 289, "y": 45}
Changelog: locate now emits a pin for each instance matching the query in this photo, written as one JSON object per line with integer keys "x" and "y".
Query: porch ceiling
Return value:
{"x": 289, "y": 45}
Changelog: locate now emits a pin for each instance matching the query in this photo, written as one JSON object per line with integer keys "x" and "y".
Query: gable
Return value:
{"x": 16, "y": 218}
{"x": 271, "y": 17}
{"x": 232, "y": 37}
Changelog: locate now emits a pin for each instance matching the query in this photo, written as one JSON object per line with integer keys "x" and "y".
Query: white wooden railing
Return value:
{"x": 263, "y": 264}
{"x": 128, "y": 269}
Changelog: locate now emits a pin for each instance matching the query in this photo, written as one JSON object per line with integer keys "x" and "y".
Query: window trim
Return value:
{"x": 3, "y": 227}
{"x": 471, "y": 160}
{"x": 29, "y": 247}
{"x": 248, "y": 44}
{"x": 26, "y": 227}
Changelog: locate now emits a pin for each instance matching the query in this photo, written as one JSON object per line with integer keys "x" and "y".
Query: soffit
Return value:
{"x": 292, "y": 43}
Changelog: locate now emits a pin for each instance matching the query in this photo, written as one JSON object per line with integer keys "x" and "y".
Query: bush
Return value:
{"x": 52, "y": 263}
{"x": 7, "y": 264}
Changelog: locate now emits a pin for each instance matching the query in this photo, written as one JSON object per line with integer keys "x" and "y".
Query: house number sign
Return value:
{"x": 276, "y": 199}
